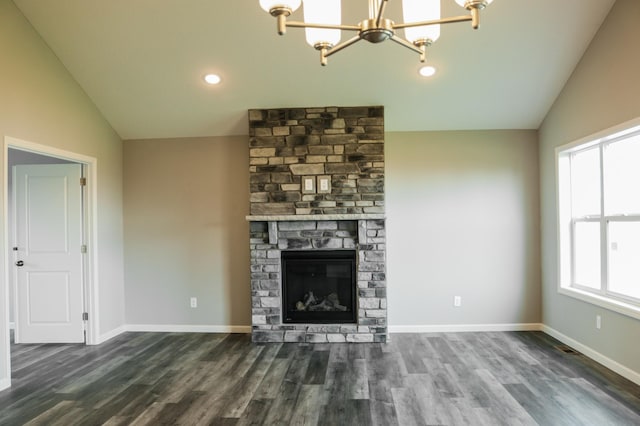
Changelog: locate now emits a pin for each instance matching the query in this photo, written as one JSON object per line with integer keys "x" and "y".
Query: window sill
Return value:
{"x": 604, "y": 302}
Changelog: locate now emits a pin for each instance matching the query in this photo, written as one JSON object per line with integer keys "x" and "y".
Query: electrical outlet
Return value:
{"x": 194, "y": 302}
{"x": 457, "y": 301}
{"x": 598, "y": 322}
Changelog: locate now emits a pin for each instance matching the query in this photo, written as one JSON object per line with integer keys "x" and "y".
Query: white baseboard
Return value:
{"x": 625, "y": 372}
{"x": 171, "y": 328}
{"x": 458, "y": 328}
{"x": 110, "y": 334}
{"x": 12, "y": 326}
{"x": 5, "y": 384}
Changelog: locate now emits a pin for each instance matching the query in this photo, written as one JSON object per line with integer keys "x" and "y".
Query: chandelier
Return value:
{"x": 322, "y": 23}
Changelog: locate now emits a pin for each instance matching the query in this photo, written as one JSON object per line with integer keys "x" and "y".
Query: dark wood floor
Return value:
{"x": 421, "y": 379}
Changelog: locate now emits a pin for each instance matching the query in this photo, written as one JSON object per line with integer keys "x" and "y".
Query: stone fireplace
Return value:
{"x": 317, "y": 194}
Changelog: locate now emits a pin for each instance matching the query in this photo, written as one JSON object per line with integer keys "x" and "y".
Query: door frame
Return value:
{"x": 90, "y": 226}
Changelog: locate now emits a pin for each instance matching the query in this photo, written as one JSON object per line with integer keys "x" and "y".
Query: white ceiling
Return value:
{"x": 142, "y": 62}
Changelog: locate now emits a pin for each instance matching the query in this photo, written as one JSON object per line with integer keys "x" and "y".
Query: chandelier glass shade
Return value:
{"x": 322, "y": 12}
{"x": 416, "y": 11}
{"x": 269, "y": 5}
{"x": 323, "y": 27}
{"x": 463, "y": 3}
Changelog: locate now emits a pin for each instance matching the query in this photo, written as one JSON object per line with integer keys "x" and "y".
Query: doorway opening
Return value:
{"x": 19, "y": 152}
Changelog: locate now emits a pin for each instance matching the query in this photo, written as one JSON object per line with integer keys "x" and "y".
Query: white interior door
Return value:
{"x": 47, "y": 253}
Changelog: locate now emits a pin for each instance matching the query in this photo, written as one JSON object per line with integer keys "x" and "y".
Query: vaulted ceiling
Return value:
{"x": 142, "y": 63}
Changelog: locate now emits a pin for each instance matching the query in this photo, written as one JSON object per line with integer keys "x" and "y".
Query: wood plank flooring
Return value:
{"x": 518, "y": 378}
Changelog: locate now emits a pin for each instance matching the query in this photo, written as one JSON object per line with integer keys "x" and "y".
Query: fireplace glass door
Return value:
{"x": 319, "y": 286}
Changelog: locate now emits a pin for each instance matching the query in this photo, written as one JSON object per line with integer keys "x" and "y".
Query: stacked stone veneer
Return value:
{"x": 347, "y": 146}
{"x": 267, "y": 241}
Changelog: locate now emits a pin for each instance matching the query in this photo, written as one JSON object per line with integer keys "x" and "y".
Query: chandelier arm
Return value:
{"x": 281, "y": 21}
{"x": 299, "y": 24}
{"x": 451, "y": 20}
{"x": 380, "y": 14}
{"x": 343, "y": 45}
{"x": 407, "y": 44}
{"x": 475, "y": 17}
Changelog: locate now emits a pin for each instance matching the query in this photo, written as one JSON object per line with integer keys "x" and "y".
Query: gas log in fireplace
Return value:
{"x": 319, "y": 286}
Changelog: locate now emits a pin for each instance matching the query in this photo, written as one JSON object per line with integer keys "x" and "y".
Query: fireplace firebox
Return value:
{"x": 319, "y": 286}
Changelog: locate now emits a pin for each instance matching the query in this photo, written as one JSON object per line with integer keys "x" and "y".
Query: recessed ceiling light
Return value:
{"x": 212, "y": 79}
{"x": 427, "y": 71}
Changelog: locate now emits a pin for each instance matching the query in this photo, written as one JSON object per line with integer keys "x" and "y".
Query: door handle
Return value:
{"x": 19, "y": 263}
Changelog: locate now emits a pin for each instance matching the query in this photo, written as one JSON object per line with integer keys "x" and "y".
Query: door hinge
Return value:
{"x": 85, "y": 316}
{"x": 83, "y": 181}
{"x": 83, "y": 248}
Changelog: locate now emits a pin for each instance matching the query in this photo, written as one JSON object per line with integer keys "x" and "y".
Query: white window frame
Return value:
{"x": 566, "y": 223}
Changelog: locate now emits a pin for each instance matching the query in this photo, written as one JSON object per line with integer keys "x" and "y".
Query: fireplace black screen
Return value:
{"x": 319, "y": 286}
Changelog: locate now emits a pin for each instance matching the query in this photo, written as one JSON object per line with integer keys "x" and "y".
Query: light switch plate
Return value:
{"x": 308, "y": 185}
{"x": 324, "y": 184}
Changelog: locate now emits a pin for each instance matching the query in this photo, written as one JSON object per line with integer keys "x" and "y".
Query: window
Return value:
{"x": 599, "y": 219}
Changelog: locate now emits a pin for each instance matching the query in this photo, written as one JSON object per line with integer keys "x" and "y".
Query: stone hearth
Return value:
{"x": 317, "y": 183}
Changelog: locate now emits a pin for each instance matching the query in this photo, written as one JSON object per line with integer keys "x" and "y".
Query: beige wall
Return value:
{"x": 603, "y": 91}
{"x": 185, "y": 231}
{"x": 41, "y": 103}
{"x": 462, "y": 212}
{"x": 462, "y": 220}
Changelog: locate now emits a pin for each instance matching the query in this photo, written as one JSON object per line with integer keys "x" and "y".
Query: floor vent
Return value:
{"x": 567, "y": 350}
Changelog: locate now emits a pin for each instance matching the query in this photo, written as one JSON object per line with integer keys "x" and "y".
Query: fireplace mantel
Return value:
{"x": 314, "y": 217}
